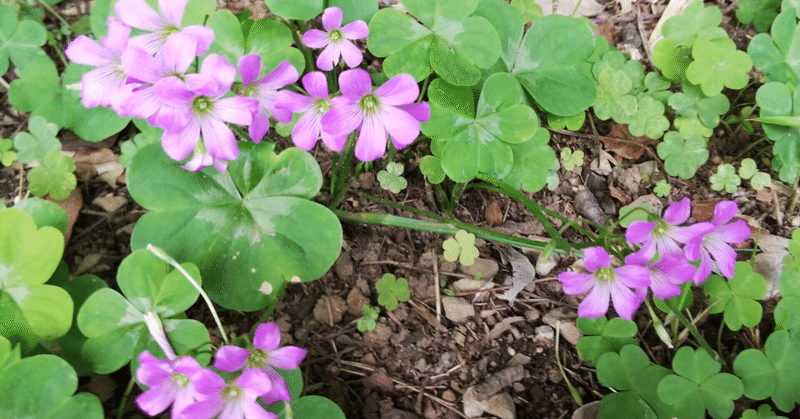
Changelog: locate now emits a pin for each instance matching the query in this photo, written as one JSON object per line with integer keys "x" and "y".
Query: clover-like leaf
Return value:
{"x": 738, "y": 297}
{"x": 649, "y": 119}
{"x": 297, "y": 10}
{"x": 570, "y": 159}
{"x": 692, "y": 125}
{"x": 613, "y": 100}
{"x": 698, "y": 386}
{"x": 672, "y": 60}
{"x": 662, "y": 188}
{"x": 692, "y": 102}
{"x": 391, "y": 290}
{"x": 28, "y": 257}
{"x": 634, "y": 378}
{"x": 367, "y": 321}
{"x": 657, "y": 87}
{"x": 695, "y": 22}
{"x": 747, "y": 168}
{"x": 776, "y": 55}
{"x": 602, "y": 336}
{"x": 55, "y": 176}
{"x": 529, "y": 10}
{"x": 764, "y": 412}
{"x": 776, "y": 100}
{"x": 761, "y": 13}
{"x": 20, "y": 40}
{"x": 251, "y": 230}
{"x": 524, "y": 174}
{"x": 7, "y": 154}
{"x": 681, "y": 156}
{"x": 431, "y": 167}
{"x": 461, "y": 248}
{"x": 725, "y": 178}
{"x": 41, "y": 140}
{"x": 718, "y": 63}
{"x": 572, "y": 123}
{"x": 760, "y": 181}
{"x": 772, "y": 373}
{"x": 392, "y": 178}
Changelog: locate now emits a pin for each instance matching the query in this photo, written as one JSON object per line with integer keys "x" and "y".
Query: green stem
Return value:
{"x": 53, "y": 12}
{"x": 339, "y": 195}
{"x": 441, "y": 196}
{"x": 299, "y": 43}
{"x": 458, "y": 190}
{"x": 424, "y": 89}
{"x": 693, "y": 330}
{"x": 793, "y": 200}
{"x": 127, "y": 393}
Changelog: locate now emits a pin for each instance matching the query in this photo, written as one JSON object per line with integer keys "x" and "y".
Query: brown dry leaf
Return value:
{"x": 619, "y": 194}
{"x": 764, "y": 195}
{"x": 625, "y": 145}
{"x": 102, "y": 163}
{"x": 606, "y": 29}
{"x": 626, "y": 6}
{"x": 110, "y": 203}
{"x": 603, "y": 164}
{"x": 493, "y": 214}
{"x": 703, "y": 210}
{"x": 72, "y": 206}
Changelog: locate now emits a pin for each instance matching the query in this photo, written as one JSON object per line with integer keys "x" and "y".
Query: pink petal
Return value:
{"x": 343, "y": 118}
{"x": 236, "y": 110}
{"x": 639, "y": 257}
{"x": 689, "y": 233}
{"x": 208, "y": 382}
{"x": 639, "y": 231}
{"x": 112, "y": 90}
{"x": 316, "y": 84}
{"x": 332, "y": 18}
{"x": 420, "y": 111}
{"x": 139, "y": 14}
{"x": 220, "y": 165}
{"x": 218, "y": 68}
{"x": 279, "y": 392}
{"x": 371, "y": 143}
{"x": 152, "y": 371}
{"x": 180, "y": 144}
{"x": 724, "y": 212}
{"x": 633, "y": 276}
{"x": 249, "y": 67}
{"x": 315, "y": 38}
{"x": 173, "y": 92}
{"x": 399, "y": 90}
{"x": 171, "y": 118}
{"x": 735, "y": 232}
{"x": 357, "y": 29}
{"x": 595, "y": 258}
{"x": 84, "y": 50}
{"x": 403, "y": 127}
{"x": 334, "y": 143}
{"x": 252, "y": 410}
{"x": 140, "y": 65}
{"x": 152, "y": 42}
{"x": 704, "y": 270}
{"x": 595, "y": 304}
{"x": 287, "y": 357}
{"x": 205, "y": 409}
{"x": 307, "y": 131}
{"x": 230, "y": 358}
{"x": 203, "y": 35}
{"x": 198, "y": 162}
{"x": 293, "y": 102}
{"x": 678, "y": 212}
{"x": 254, "y": 381}
{"x": 117, "y": 38}
{"x": 187, "y": 366}
{"x": 267, "y": 337}
{"x": 575, "y": 283}
{"x": 201, "y": 84}
{"x": 662, "y": 288}
{"x": 259, "y": 126}
{"x": 329, "y": 57}
{"x": 692, "y": 248}
{"x": 155, "y": 400}
{"x": 283, "y": 75}
{"x": 179, "y": 52}
{"x": 172, "y": 10}
{"x": 625, "y": 302}
{"x": 351, "y": 54}
{"x": 724, "y": 256}
{"x": 355, "y": 83}
{"x": 219, "y": 139}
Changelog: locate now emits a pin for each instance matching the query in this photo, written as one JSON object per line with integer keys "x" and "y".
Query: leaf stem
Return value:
{"x": 53, "y": 12}
{"x": 693, "y": 330}
{"x": 793, "y": 201}
{"x": 121, "y": 408}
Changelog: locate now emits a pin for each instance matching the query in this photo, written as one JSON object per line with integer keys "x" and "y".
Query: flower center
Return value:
{"x": 604, "y": 275}
{"x": 257, "y": 358}
{"x": 322, "y": 106}
{"x": 202, "y": 105}
{"x": 369, "y": 104}
{"x": 180, "y": 380}
{"x": 232, "y": 393}
{"x": 661, "y": 229}
{"x": 335, "y": 36}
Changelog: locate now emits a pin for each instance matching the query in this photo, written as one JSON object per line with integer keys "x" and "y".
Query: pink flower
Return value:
{"x": 265, "y": 89}
{"x": 104, "y": 85}
{"x": 230, "y": 401}
{"x": 714, "y": 248}
{"x": 665, "y": 236}
{"x": 264, "y": 358}
{"x": 666, "y": 275}
{"x": 389, "y": 109}
{"x": 199, "y": 109}
{"x": 202, "y": 159}
{"x": 170, "y": 383}
{"x": 336, "y": 40}
{"x": 138, "y": 14}
{"x": 309, "y": 127}
{"x": 604, "y": 283}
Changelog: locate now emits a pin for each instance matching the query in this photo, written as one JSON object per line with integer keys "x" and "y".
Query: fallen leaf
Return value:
{"x": 703, "y": 210}
{"x": 606, "y": 29}
{"x": 764, "y": 195}
{"x": 618, "y": 194}
{"x": 102, "y": 163}
{"x": 523, "y": 273}
{"x": 602, "y": 164}
{"x": 72, "y": 206}
{"x": 622, "y": 143}
{"x": 110, "y": 203}
{"x": 626, "y": 6}
{"x": 493, "y": 214}
{"x": 586, "y": 8}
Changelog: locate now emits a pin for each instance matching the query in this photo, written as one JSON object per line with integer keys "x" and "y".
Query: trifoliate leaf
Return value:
{"x": 691, "y": 125}
{"x": 570, "y": 159}
{"x": 695, "y": 21}
{"x": 529, "y": 10}
{"x": 19, "y": 40}
{"x": 54, "y": 176}
{"x": 613, "y": 100}
{"x": 738, "y": 297}
{"x": 368, "y": 319}
{"x": 649, "y": 120}
{"x": 7, "y": 155}
{"x": 718, "y": 63}
{"x": 662, "y": 188}
{"x": 572, "y": 123}
{"x": 392, "y": 179}
{"x": 41, "y": 140}
{"x": 682, "y": 156}
{"x": 692, "y": 102}
{"x": 461, "y": 248}
{"x": 725, "y": 178}
{"x": 761, "y": 13}
{"x": 747, "y": 168}
{"x": 657, "y": 87}
{"x": 391, "y": 290}
{"x": 129, "y": 148}
{"x": 773, "y": 372}
{"x": 431, "y": 167}
{"x": 671, "y": 59}
{"x": 760, "y": 181}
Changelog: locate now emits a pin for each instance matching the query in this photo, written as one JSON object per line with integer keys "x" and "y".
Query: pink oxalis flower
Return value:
{"x": 265, "y": 356}
{"x": 390, "y": 109}
{"x": 313, "y": 107}
{"x": 714, "y": 248}
{"x": 666, "y": 274}
{"x": 604, "y": 283}
{"x": 264, "y": 90}
{"x": 105, "y": 85}
{"x": 138, "y": 14}
{"x": 230, "y": 401}
{"x": 170, "y": 383}
{"x": 666, "y": 236}
{"x": 336, "y": 40}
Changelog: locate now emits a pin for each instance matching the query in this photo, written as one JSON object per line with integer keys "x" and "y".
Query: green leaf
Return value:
{"x": 431, "y": 167}
{"x": 738, "y": 297}
{"x": 532, "y": 161}
{"x": 296, "y": 9}
{"x": 28, "y": 257}
{"x": 391, "y": 290}
{"x": 760, "y": 181}
{"x": 7, "y": 155}
{"x": 725, "y": 178}
{"x": 53, "y": 177}
{"x": 228, "y": 36}
{"x": 44, "y": 213}
{"x": 41, "y": 140}
{"x": 747, "y": 168}
{"x": 546, "y": 64}
{"x": 634, "y": 378}
{"x": 761, "y": 13}
{"x": 649, "y": 120}
{"x": 662, "y": 188}
{"x": 776, "y": 99}
{"x": 509, "y": 23}
{"x": 42, "y": 386}
{"x": 129, "y": 148}
{"x": 572, "y": 123}
{"x": 570, "y": 159}
{"x": 602, "y": 336}
{"x": 718, "y": 63}
{"x": 692, "y": 102}
{"x": 19, "y": 40}
{"x": 772, "y": 373}
{"x": 355, "y": 9}
{"x": 672, "y": 60}
{"x": 657, "y": 87}
{"x": 313, "y": 407}
{"x": 695, "y": 22}
{"x": 681, "y": 156}
{"x": 764, "y": 412}
{"x": 392, "y": 179}
{"x": 251, "y": 230}
{"x": 38, "y": 90}
{"x": 367, "y": 321}
{"x": 530, "y": 11}
{"x": 613, "y": 100}
{"x": 461, "y": 248}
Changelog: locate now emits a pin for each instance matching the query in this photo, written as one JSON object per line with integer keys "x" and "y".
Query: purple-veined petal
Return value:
{"x": 219, "y": 139}
{"x": 254, "y": 381}
{"x": 287, "y": 357}
{"x": 139, "y": 14}
{"x": 735, "y": 232}
{"x": 678, "y": 212}
{"x": 182, "y": 400}
{"x": 233, "y": 410}
{"x": 355, "y": 83}
{"x": 666, "y": 245}
{"x": 663, "y": 288}
{"x": 723, "y": 255}
{"x": 371, "y": 143}
{"x": 259, "y": 126}
{"x": 152, "y": 371}
{"x": 279, "y": 392}
{"x": 689, "y": 233}
{"x": 399, "y": 90}
{"x": 704, "y": 269}
{"x": 692, "y": 249}
{"x": 173, "y": 92}
{"x": 267, "y": 337}
{"x": 204, "y": 409}
{"x": 253, "y": 410}
{"x": 152, "y": 42}
{"x": 315, "y": 38}
{"x": 102, "y": 86}
{"x": 307, "y": 130}
{"x": 293, "y": 102}
{"x": 198, "y": 162}
{"x": 249, "y": 67}
{"x": 575, "y": 283}
{"x": 218, "y": 68}
{"x": 402, "y": 127}
{"x": 179, "y": 145}
{"x": 332, "y": 18}
{"x": 283, "y": 75}
{"x": 84, "y": 50}
{"x": 724, "y": 211}
{"x": 208, "y": 382}
{"x": 179, "y": 52}
{"x": 420, "y": 111}
{"x": 201, "y": 84}
{"x": 172, "y": 119}
{"x": 220, "y": 165}
{"x": 236, "y": 110}
{"x": 625, "y": 301}
{"x": 329, "y": 57}
{"x": 156, "y": 400}
{"x": 633, "y": 276}
{"x": 350, "y": 54}
{"x": 639, "y": 231}
{"x": 334, "y": 143}
{"x": 343, "y": 117}
{"x": 284, "y": 116}
{"x": 595, "y": 304}
{"x": 140, "y": 65}
{"x": 203, "y": 35}
{"x": 316, "y": 84}
{"x": 117, "y": 39}
{"x": 187, "y": 365}
{"x": 595, "y": 258}
{"x": 357, "y": 29}
{"x": 173, "y": 10}
{"x": 638, "y": 258}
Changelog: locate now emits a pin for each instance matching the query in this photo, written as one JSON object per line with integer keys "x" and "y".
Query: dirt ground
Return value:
{"x": 438, "y": 355}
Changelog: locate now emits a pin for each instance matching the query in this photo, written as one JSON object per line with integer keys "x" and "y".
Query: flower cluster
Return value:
{"x": 670, "y": 254}
{"x": 200, "y": 393}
